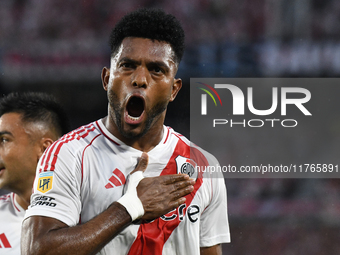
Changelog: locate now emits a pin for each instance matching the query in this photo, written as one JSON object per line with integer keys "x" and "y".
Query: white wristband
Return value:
{"x": 130, "y": 200}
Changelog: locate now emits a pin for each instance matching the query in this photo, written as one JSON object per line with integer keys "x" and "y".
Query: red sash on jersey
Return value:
{"x": 152, "y": 236}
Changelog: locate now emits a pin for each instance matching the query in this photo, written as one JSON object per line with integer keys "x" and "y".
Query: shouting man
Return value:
{"x": 121, "y": 185}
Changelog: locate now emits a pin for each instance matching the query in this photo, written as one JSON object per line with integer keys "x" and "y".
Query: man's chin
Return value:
{"x": 133, "y": 132}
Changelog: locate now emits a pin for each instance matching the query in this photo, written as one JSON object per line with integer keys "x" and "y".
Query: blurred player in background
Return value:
{"x": 29, "y": 123}
{"x": 161, "y": 210}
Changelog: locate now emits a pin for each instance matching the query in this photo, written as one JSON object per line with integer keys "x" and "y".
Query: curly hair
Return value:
{"x": 36, "y": 107}
{"x": 153, "y": 24}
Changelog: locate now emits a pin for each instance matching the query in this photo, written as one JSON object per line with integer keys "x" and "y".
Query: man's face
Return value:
{"x": 19, "y": 152}
{"x": 140, "y": 84}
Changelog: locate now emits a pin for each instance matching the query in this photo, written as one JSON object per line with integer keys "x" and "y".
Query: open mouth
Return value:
{"x": 2, "y": 169}
{"x": 135, "y": 109}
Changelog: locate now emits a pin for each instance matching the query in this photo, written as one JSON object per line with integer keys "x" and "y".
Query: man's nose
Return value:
{"x": 140, "y": 78}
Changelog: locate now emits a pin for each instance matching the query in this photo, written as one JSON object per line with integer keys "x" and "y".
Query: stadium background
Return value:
{"x": 61, "y": 46}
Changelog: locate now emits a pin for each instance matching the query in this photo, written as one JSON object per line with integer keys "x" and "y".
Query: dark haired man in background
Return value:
{"x": 29, "y": 123}
{"x": 89, "y": 168}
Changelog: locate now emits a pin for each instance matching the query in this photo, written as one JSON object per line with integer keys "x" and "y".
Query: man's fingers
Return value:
{"x": 179, "y": 196}
{"x": 175, "y": 187}
{"x": 173, "y": 178}
{"x": 182, "y": 192}
{"x": 176, "y": 203}
{"x": 142, "y": 163}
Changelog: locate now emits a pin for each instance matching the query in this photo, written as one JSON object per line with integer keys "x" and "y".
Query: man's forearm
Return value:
{"x": 213, "y": 250}
{"x": 87, "y": 238}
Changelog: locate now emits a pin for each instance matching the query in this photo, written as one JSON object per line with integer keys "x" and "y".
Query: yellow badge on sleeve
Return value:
{"x": 45, "y": 182}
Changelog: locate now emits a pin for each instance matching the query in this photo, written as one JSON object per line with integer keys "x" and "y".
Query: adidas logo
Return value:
{"x": 4, "y": 243}
{"x": 117, "y": 179}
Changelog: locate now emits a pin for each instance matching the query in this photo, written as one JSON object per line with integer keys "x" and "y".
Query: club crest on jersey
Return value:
{"x": 186, "y": 166}
{"x": 45, "y": 182}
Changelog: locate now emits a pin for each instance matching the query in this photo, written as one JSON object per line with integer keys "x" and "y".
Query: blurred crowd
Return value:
{"x": 66, "y": 42}
{"x": 224, "y": 38}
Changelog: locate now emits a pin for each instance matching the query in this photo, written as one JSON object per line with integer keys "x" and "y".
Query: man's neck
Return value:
{"x": 145, "y": 143}
{"x": 24, "y": 202}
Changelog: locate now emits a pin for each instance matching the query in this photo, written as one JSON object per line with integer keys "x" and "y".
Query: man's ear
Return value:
{"x": 44, "y": 144}
{"x": 105, "y": 77}
{"x": 175, "y": 89}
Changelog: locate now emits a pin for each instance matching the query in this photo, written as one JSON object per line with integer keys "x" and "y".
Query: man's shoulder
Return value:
{"x": 78, "y": 138}
{"x": 171, "y": 133}
{"x": 85, "y": 132}
{"x": 69, "y": 147}
{"x": 196, "y": 152}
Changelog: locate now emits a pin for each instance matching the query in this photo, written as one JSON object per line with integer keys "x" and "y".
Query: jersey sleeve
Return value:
{"x": 56, "y": 190}
{"x": 214, "y": 228}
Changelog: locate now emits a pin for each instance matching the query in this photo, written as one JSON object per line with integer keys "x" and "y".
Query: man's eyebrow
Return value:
{"x": 159, "y": 63}
{"x": 126, "y": 59}
{"x": 5, "y": 133}
{"x": 151, "y": 63}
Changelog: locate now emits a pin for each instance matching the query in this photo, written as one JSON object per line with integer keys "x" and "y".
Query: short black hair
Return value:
{"x": 36, "y": 107}
{"x": 149, "y": 23}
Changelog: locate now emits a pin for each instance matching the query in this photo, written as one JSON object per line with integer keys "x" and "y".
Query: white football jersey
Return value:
{"x": 81, "y": 174}
{"x": 11, "y": 217}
